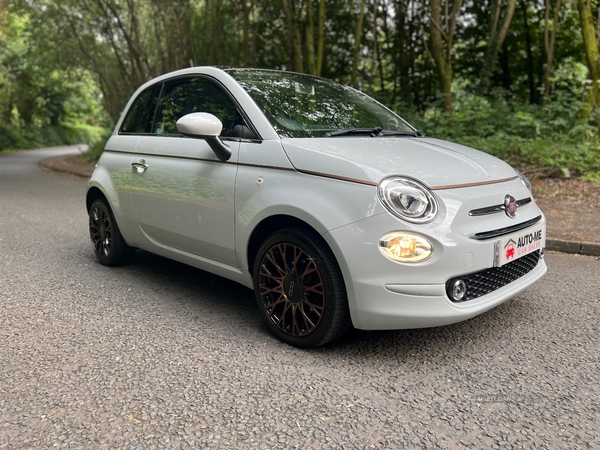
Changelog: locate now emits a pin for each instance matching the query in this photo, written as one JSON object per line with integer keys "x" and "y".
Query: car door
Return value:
{"x": 183, "y": 195}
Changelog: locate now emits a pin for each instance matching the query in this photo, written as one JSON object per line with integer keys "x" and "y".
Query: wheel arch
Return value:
{"x": 270, "y": 225}
{"x": 93, "y": 194}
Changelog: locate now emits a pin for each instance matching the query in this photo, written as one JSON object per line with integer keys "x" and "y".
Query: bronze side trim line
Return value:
{"x": 260, "y": 166}
{"x": 336, "y": 177}
{"x": 479, "y": 183}
{"x": 190, "y": 158}
{"x": 215, "y": 161}
{"x": 318, "y": 174}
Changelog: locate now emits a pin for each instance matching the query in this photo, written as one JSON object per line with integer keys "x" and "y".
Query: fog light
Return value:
{"x": 459, "y": 290}
{"x": 405, "y": 247}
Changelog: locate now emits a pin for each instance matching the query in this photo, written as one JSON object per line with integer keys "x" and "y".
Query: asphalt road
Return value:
{"x": 159, "y": 355}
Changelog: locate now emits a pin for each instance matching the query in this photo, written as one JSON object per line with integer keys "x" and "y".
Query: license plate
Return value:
{"x": 519, "y": 244}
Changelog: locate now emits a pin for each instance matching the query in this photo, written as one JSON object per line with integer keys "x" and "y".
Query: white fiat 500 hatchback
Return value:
{"x": 332, "y": 208}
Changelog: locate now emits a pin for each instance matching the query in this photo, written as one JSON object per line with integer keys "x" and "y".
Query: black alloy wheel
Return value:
{"x": 108, "y": 243}
{"x": 299, "y": 288}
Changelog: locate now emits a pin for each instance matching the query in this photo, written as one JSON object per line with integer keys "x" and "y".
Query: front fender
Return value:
{"x": 322, "y": 203}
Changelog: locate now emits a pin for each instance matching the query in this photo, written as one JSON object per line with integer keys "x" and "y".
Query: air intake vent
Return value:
{"x": 481, "y": 283}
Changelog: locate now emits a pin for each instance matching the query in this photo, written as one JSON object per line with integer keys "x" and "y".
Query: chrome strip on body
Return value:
{"x": 497, "y": 208}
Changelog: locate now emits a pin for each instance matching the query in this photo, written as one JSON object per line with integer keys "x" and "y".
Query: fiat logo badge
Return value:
{"x": 510, "y": 206}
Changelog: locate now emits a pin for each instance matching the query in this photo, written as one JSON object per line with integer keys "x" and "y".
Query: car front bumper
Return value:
{"x": 402, "y": 306}
{"x": 386, "y": 295}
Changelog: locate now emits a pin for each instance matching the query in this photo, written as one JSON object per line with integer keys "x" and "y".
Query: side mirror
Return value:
{"x": 208, "y": 127}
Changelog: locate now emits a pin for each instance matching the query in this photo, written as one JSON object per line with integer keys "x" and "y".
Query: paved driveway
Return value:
{"x": 159, "y": 355}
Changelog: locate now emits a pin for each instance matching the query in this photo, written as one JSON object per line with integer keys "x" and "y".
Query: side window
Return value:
{"x": 141, "y": 114}
{"x": 188, "y": 95}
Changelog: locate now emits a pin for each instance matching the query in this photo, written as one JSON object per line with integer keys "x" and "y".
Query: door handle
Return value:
{"x": 140, "y": 166}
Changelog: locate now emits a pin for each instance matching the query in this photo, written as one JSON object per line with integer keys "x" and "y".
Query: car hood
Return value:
{"x": 437, "y": 163}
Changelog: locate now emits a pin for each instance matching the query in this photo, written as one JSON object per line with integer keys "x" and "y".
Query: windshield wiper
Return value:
{"x": 373, "y": 132}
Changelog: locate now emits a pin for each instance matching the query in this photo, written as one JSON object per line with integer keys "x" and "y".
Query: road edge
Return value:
{"x": 573, "y": 247}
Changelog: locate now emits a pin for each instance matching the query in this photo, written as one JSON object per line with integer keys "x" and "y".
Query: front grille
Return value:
{"x": 486, "y": 281}
{"x": 497, "y": 208}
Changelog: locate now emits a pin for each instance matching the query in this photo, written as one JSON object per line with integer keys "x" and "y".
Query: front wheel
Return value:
{"x": 108, "y": 243}
{"x": 299, "y": 288}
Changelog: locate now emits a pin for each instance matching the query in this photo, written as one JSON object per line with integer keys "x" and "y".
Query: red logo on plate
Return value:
{"x": 510, "y": 251}
{"x": 510, "y": 248}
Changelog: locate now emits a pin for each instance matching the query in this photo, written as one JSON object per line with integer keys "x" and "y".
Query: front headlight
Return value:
{"x": 408, "y": 199}
{"x": 524, "y": 179}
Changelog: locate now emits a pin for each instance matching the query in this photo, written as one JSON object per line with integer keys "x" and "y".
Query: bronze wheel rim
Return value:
{"x": 101, "y": 231}
{"x": 291, "y": 289}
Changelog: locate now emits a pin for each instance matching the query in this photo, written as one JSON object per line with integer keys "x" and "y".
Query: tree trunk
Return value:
{"x": 3, "y": 4}
{"x": 294, "y": 35}
{"x": 530, "y": 68}
{"x": 321, "y": 39}
{"x": 507, "y": 78}
{"x": 402, "y": 54}
{"x": 440, "y": 53}
{"x": 246, "y": 8}
{"x": 498, "y": 33}
{"x": 358, "y": 32}
{"x": 310, "y": 39}
{"x": 375, "y": 56}
{"x": 549, "y": 43}
{"x": 590, "y": 46}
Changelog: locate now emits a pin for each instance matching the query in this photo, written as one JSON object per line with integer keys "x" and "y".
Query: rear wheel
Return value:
{"x": 299, "y": 288}
{"x": 107, "y": 241}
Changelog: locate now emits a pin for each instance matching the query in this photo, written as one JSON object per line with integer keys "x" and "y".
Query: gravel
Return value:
{"x": 160, "y": 355}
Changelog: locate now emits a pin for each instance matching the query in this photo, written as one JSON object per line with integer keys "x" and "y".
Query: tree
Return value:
{"x": 358, "y": 32}
{"x": 590, "y": 47}
{"x": 246, "y": 8}
{"x": 549, "y": 43}
{"x": 442, "y": 26}
{"x": 313, "y": 55}
{"x": 295, "y": 36}
{"x": 403, "y": 52}
{"x": 500, "y": 19}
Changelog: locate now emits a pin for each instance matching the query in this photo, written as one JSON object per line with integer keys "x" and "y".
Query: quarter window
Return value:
{"x": 141, "y": 114}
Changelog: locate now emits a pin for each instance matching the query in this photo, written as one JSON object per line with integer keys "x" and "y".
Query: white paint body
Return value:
{"x": 191, "y": 207}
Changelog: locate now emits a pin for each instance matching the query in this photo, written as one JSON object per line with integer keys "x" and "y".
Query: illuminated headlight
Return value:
{"x": 404, "y": 247}
{"x": 524, "y": 179}
{"x": 407, "y": 199}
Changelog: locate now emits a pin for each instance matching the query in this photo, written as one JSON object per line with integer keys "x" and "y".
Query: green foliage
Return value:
{"x": 539, "y": 141}
{"x": 31, "y": 136}
{"x": 41, "y": 104}
{"x": 97, "y": 144}
{"x": 108, "y": 48}
{"x": 542, "y": 157}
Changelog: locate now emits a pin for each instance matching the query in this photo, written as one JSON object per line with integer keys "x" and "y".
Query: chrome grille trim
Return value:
{"x": 496, "y": 208}
{"x": 506, "y": 230}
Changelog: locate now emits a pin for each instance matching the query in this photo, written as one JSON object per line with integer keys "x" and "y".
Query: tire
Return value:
{"x": 299, "y": 289}
{"x": 108, "y": 243}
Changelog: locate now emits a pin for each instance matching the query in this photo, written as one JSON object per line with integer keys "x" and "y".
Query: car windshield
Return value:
{"x": 300, "y": 105}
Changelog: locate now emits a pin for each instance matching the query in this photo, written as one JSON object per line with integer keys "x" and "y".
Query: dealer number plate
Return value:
{"x": 519, "y": 244}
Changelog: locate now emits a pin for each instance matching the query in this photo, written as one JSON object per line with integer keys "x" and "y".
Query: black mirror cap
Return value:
{"x": 220, "y": 148}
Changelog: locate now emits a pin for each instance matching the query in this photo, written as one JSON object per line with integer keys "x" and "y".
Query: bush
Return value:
{"x": 541, "y": 142}
{"x": 97, "y": 145}
{"x": 27, "y": 137}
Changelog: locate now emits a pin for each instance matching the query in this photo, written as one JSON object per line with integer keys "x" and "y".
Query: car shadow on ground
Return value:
{"x": 231, "y": 304}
